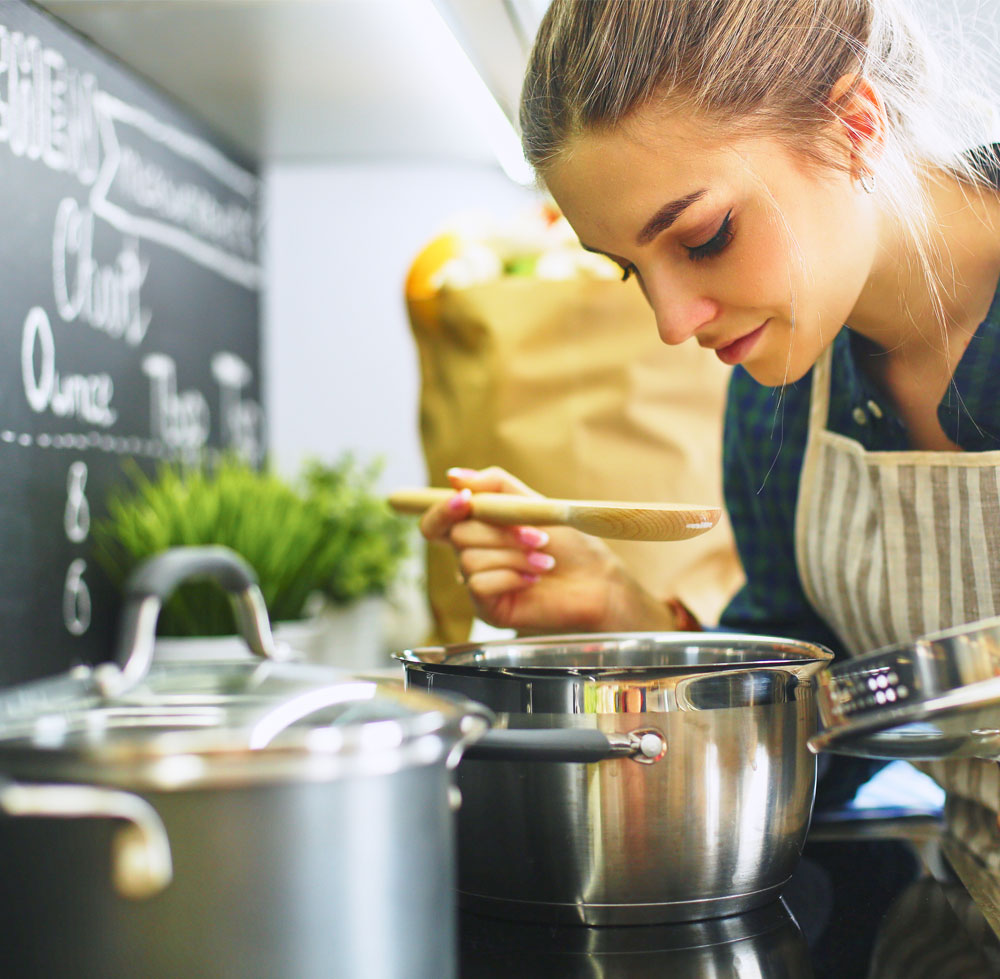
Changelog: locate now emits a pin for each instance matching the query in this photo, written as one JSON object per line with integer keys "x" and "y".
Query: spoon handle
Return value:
{"x": 501, "y": 508}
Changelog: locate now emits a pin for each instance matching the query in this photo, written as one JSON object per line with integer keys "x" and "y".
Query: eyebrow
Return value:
{"x": 666, "y": 216}
{"x": 661, "y": 220}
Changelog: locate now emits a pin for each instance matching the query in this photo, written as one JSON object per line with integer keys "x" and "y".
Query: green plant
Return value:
{"x": 330, "y": 534}
{"x": 369, "y": 539}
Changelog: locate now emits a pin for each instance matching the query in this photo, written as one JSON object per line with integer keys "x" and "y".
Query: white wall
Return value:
{"x": 340, "y": 364}
{"x": 340, "y": 367}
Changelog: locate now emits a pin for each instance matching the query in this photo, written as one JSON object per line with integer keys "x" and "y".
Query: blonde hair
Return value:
{"x": 766, "y": 67}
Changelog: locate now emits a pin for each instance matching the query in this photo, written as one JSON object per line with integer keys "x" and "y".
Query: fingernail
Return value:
{"x": 460, "y": 500}
{"x": 532, "y": 536}
{"x": 542, "y": 561}
{"x": 529, "y": 578}
{"x": 458, "y": 472}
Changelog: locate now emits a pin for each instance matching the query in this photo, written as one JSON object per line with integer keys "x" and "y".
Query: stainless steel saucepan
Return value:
{"x": 632, "y": 778}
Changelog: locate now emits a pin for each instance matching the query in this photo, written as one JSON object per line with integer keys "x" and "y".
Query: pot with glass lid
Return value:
{"x": 240, "y": 818}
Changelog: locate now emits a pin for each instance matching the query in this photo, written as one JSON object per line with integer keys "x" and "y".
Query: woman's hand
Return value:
{"x": 551, "y": 579}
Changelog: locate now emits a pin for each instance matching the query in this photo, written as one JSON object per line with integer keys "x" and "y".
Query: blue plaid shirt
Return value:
{"x": 763, "y": 449}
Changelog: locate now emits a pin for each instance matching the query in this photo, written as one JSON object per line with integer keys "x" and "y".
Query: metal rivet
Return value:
{"x": 874, "y": 409}
{"x": 859, "y": 416}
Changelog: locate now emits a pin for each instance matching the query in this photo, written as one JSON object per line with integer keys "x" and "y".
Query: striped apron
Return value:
{"x": 891, "y": 545}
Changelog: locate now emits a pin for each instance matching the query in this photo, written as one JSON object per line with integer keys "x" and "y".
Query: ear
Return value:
{"x": 860, "y": 114}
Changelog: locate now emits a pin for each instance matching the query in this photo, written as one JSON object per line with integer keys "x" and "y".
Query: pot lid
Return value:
{"x": 228, "y": 721}
{"x": 936, "y": 697}
{"x": 185, "y": 723}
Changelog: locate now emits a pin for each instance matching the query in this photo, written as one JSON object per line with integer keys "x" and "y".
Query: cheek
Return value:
{"x": 806, "y": 268}
{"x": 766, "y": 268}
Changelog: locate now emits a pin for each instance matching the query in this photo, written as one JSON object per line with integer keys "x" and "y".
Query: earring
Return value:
{"x": 867, "y": 181}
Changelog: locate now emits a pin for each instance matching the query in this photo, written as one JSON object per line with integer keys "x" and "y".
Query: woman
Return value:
{"x": 771, "y": 171}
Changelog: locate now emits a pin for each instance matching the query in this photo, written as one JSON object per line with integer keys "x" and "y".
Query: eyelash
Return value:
{"x": 717, "y": 243}
{"x": 714, "y": 246}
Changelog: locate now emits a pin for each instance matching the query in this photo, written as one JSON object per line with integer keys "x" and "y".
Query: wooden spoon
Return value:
{"x": 602, "y": 518}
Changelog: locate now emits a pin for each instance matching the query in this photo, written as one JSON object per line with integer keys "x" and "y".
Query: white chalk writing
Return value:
{"x": 47, "y": 108}
{"x": 180, "y": 418}
{"x": 84, "y": 396}
{"x": 241, "y": 418}
{"x": 104, "y": 296}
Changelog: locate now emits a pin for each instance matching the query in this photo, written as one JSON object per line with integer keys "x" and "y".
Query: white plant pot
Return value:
{"x": 353, "y": 636}
{"x": 350, "y": 637}
{"x": 301, "y": 636}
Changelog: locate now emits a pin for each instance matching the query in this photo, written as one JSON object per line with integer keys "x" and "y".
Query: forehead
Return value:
{"x": 609, "y": 181}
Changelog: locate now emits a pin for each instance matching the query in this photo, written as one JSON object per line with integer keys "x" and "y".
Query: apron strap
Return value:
{"x": 819, "y": 409}
{"x": 819, "y": 401}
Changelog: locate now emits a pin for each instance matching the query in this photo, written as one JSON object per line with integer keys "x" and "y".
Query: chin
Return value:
{"x": 776, "y": 375}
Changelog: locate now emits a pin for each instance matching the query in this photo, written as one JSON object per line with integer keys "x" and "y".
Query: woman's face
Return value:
{"x": 734, "y": 243}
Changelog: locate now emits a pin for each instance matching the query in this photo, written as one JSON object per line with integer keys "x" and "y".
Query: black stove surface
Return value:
{"x": 873, "y": 900}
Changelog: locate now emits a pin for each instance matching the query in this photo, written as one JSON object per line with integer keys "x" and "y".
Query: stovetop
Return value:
{"x": 874, "y": 899}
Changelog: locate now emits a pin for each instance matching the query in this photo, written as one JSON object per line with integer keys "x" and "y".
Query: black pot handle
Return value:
{"x": 567, "y": 744}
{"x": 154, "y": 581}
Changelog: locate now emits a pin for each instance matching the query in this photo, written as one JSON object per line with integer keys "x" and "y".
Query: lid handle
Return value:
{"x": 154, "y": 581}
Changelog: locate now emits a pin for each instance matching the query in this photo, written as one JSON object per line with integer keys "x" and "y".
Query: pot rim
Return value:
{"x": 472, "y": 658}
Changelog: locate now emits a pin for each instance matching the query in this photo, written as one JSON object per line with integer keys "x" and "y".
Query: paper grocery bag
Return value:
{"x": 567, "y": 385}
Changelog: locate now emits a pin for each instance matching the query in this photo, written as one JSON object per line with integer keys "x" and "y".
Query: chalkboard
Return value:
{"x": 129, "y": 319}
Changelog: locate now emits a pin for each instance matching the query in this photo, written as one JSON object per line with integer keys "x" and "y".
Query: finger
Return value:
{"x": 438, "y": 520}
{"x": 476, "y": 533}
{"x": 489, "y": 584}
{"x": 491, "y": 480}
{"x": 477, "y": 560}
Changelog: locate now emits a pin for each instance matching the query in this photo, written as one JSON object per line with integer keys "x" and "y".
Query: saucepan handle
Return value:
{"x": 569, "y": 744}
{"x": 141, "y": 865}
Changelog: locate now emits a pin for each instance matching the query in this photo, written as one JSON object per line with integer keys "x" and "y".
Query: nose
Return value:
{"x": 680, "y": 315}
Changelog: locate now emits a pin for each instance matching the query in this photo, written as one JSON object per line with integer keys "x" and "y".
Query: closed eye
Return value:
{"x": 717, "y": 243}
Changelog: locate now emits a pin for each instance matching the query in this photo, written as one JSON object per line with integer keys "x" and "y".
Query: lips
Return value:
{"x": 737, "y": 351}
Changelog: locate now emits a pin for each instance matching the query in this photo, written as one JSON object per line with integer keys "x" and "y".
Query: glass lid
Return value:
{"x": 937, "y": 697}
{"x": 230, "y": 699}
{"x": 265, "y": 716}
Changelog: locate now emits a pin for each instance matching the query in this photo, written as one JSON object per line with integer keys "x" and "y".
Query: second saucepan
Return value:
{"x": 634, "y": 778}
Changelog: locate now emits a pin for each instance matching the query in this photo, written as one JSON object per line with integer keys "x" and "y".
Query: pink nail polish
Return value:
{"x": 459, "y": 473}
{"x": 529, "y": 578}
{"x": 532, "y": 536}
{"x": 460, "y": 500}
{"x": 542, "y": 561}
